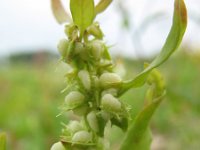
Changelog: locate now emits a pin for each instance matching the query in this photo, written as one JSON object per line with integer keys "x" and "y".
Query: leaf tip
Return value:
{"x": 180, "y": 7}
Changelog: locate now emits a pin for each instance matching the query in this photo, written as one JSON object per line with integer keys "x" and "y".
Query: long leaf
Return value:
{"x": 2, "y": 141}
{"x": 102, "y": 5}
{"x": 138, "y": 136}
{"x": 83, "y": 13}
{"x": 59, "y": 12}
{"x": 172, "y": 43}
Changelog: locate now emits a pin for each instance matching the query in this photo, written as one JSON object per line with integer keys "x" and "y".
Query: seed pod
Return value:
{"x": 111, "y": 91}
{"x": 97, "y": 48}
{"x": 105, "y": 63}
{"x": 105, "y": 115}
{"x": 82, "y": 137}
{"x": 57, "y": 146}
{"x": 63, "y": 47}
{"x": 71, "y": 31}
{"x": 74, "y": 126}
{"x": 74, "y": 99}
{"x": 79, "y": 48}
{"x": 92, "y": 121}
{"x": 110, "y": 80}
{"x": 84, "y": 76}
{"x": 110, "y": 103}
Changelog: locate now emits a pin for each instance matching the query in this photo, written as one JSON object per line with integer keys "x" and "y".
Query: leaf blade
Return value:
{"x": 59, "y": 12}
{"x": 172, "y": 43}
{"x": 138, "y": 135}
{"x": 83, "y": 13}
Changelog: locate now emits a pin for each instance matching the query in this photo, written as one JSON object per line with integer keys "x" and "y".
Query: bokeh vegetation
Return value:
{"x": 30, "y": 97}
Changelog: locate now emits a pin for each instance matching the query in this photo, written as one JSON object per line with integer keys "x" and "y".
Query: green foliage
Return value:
{"x": 97, "y": 97}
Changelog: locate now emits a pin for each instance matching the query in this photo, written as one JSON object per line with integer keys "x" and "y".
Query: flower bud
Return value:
{"x": 95, "y": 30}
{"x": 111, "y": 91}
{"x": 74, "y": 126}
{"x": 63, "y": 47}
{"x": 57, "y": 146}
{"x": 74, "y": 99}
{"x": 97, "y": 48}
{"x": 105, "y": 63}
{"x": 110, "y": 80}
{"x": 110, "y": 103}
{"x": 92, "y": 121}
{"x": 105, "y": 115}
{"x": 85, "y": 78}
{"x": 71, "y": 31}
{"x": 82, "y": 137}
{"x": 79, "y": 48}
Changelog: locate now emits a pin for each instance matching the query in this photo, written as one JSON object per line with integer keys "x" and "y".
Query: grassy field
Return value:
{"x": 30, "y": 97}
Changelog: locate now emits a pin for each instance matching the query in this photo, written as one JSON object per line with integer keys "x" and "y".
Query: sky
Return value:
{"x": 27, "y": 25}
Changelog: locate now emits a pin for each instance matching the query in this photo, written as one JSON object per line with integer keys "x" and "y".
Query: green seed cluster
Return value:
{"x": 92, "y": 90}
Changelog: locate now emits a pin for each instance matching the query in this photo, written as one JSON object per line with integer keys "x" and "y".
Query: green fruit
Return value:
{"x": 82, "y": 137}
{"x": 96, "y": 49}
{"x": 110, "y": 80}
{"x": 110, "y": 103}
{"x": 81, "y": 110}
{"x": 84, "y": 76}
{"x": 57, "y": 146}
{"x": 74, "y": 99}
{"x": 92, "y": 121}
{"x": 63, "y": 47}
{"x": 111, "y": 91}
{"x": 78, "y": 48}
{"x": 74, "y": 126}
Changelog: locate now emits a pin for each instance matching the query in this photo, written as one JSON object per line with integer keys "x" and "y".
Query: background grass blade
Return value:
{"x": 2, "y": 141}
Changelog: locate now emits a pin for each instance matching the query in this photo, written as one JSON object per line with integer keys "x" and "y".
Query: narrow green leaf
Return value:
{"x": 102, "y": 5}
{"x": 59, "y": 12}
{"x": 2, "y": 141}
{"x": 138, "y": 136}
{"x": 82, "y": 13}
{"x": 172, "y": 43}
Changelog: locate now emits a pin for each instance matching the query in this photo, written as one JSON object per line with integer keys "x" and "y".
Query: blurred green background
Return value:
{"x": 30, "y": 88}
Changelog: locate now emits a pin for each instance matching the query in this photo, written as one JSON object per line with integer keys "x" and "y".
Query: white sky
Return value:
{"x": 29, "y": 25}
